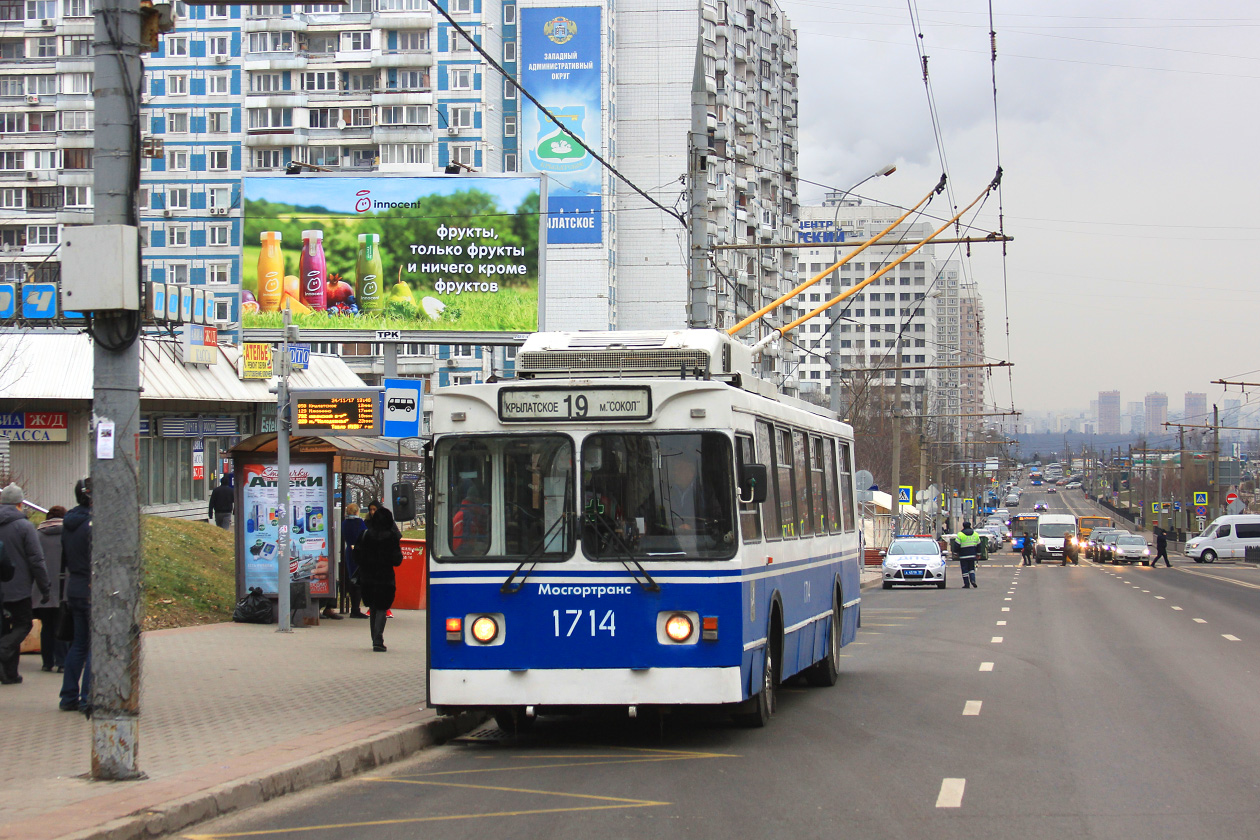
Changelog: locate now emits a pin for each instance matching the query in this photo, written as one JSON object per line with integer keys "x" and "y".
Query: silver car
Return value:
{"x": 913, "y": 561}
{"x": 1130, "y": 548}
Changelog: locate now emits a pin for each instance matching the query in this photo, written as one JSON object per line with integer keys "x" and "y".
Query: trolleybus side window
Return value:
{"x": 770, "y": 507}
{"x": 505, "y": 496}
{"x": 660, "y": 496}
{"x": 846, "y": 486}
{"x": 787, "y": 487}
{"x": 804, "y": 511}
{"x": 818, "y": 484}
{"x": 835, "y": 523}
{"x": 749, "y": 516}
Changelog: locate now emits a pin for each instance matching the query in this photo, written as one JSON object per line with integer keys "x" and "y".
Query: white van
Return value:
{"x": 1051, "y": 530}
{"x": 1227, "y": 538}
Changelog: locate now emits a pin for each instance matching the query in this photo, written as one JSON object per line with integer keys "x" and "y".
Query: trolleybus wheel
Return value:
{"x": 765, "y": 700}
{"x": 513, "y": 721}
{"x": 825, "y": 672}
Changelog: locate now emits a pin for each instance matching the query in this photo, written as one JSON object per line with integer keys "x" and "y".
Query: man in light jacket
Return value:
{"x": 21, "y": 546}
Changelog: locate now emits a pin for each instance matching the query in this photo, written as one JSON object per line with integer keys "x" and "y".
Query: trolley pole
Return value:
{"x": 117, "y": 607}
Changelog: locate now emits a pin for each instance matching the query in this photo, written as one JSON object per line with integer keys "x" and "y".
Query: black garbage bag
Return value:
{"x": 254, "y": 608}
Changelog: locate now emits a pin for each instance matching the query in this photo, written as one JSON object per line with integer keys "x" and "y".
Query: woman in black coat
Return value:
{"x": 378, "y": 552}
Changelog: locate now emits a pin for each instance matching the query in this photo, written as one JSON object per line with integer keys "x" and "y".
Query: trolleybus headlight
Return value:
{"x": 485, "y": 629}
{"x": 678, "y": 627}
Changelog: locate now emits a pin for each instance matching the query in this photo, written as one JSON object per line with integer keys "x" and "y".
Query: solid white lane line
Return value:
{"x": 1176, "y": 608}
{"x": 951, "y": 794}
{"x": 986, "y": 666}
{"x": 1232, "y": 638}
{"x": 996, "y": 640}
{"x": 972, "y": 707}
{"x": 1218, "y": 577}
{"x": 1200, "y": 620}
{"x": 1001, "y": 624}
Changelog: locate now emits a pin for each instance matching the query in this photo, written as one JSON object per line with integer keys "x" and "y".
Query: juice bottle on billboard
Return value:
{"x": 367, "y": 272}
{"x": 270, "y": 272}
{"x": 313, "y": 270}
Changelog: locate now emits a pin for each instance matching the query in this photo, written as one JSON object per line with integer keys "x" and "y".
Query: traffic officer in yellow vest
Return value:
{"x": 966, "y": 547}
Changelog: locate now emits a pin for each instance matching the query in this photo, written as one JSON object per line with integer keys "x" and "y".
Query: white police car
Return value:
{"x": 913, "y": 561}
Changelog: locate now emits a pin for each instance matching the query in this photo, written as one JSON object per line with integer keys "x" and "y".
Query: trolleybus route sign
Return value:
{"x": 563, "y": 404}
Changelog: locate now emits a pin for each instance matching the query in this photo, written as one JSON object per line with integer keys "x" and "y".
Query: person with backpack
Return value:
{"x": 23, "y": 549}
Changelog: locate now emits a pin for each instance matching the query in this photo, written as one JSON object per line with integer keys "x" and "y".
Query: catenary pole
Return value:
{"x": 117, "y": 607}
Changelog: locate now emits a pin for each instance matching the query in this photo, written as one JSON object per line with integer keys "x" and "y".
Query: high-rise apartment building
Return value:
{"x": 1108, "y": 412}
{"x": 1196, "y": 408}
{"x": 1156, "y": 414}
{"x": 972, "y": 380}
{"x": 1137, "y": 418}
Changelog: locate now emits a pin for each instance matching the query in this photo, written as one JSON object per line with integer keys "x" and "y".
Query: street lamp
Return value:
{"x": 834, "y": 355}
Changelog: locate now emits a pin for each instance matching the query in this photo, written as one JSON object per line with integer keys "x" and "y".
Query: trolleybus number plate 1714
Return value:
{"x": 562, "y": 405}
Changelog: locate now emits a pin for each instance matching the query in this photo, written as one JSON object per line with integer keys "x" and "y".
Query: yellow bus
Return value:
{"x": 1085, "y": 524}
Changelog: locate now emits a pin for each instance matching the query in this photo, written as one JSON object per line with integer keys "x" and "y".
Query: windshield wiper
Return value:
{"x": 507, "y": 588}
{"x": 650, "y": 585}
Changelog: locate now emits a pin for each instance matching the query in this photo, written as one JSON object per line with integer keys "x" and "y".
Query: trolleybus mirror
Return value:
{"x": 753, "y": 484}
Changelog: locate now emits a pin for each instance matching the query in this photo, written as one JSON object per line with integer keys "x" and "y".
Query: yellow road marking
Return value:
{"x": 1218, "y": 577}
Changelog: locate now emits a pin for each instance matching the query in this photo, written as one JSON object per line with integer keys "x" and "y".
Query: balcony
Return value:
{"x": 403, "y": 20}
{"x": 265, "y": 137}
{"x": 276, "y": 99}
{"x": 274, "y": 61}
{"x": 292, "y": 23}
{"x": 402, "y": 59}
{"x": 402, "y": 134}
{"x": 403, "y": 97}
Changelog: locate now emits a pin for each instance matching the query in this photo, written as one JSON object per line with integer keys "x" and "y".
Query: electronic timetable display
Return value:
{"x": 337, "y": 412}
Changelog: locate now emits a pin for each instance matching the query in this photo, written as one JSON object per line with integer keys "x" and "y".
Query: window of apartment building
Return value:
{"x": 509, "y": 162}
{"x": 12, "y": 198}
{"x": 12, "y": 50}
{"x": 365, "y": 82}
{"x": 222, "y": 309}
{"x": 177, "y": 272}
{"x": 357, "y": 117}
{"x": 176, "y": 46}
{"x": 218, "y": 122}
{"x": 177, "y": 198}
{"x": 12, "y": 161}
{"x": 41, "y": 234}
{"x": 324, "y": 80}
{"x": 218, "y": 273}
{"x": 363, "y": 157}
{"x": 509, "y": 14}
{"x": 176, "y": 160}
{"x": 12, "y": 123}
{"x": 218, "y": 235}
{"x": 321, "y": 9}
{"x": 464, "y": 351}
{"x": 260, "y": 42}
{"x": 218, "y": 45}
{"x": 405, "y": 115}
{"x": 323, "y": 117}
{"x": 356, "y": 41}
{"x": 177, "y": 122}
{"x": 324, "y": 155}
{"x": 43, "y": 198}
{"x": 79, "y": 159}
{"x": 509, "y": 125}
{"x": 460, "y": 78}
{"x": 77, "y": 120}
{"x": 322, "y": 44}
{"x": 400, "y": 5}
{"x": 460, "y": 7}
{"x": 176, "y": 84}
{"x": 414, "y": 40}
{"x": 461, "y": 117}
{"x": 76, "y": 45}
{"x": 76, "y": 8}
{"x": 404, "y": 153}
{"x": 509, "y": 90}
{"x": 218, "y": 84}
{"x": 413, "y": 80}
{"x": 267, "y": 158}
{"x": 41, "y": 9}
{"x": 266, "y": 11}
{"x": 265, "y": 82}
{"x": 46, "y": 46}
{"x": 177, "y": 236}
{"x": 509, "y": 51}
{"x": 462, "y": 154}
{"x": 218, "y": 160}
{"x": 459, "y": 43}
{"x": 76, "y": 83}
{"x": 269, "y": 117}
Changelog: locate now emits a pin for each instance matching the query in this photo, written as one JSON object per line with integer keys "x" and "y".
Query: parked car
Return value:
{"x": 913, "y": 561}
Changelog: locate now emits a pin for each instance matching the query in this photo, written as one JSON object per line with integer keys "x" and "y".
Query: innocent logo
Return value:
{"x": 364, "y": 203}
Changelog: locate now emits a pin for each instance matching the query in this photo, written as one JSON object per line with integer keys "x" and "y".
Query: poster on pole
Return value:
{"x": 308, "y": 520}
{"x": 560, "y": 65}
{"x": 450, "y": 252}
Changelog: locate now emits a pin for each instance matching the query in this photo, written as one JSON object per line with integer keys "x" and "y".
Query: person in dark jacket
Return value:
{"x": 966, "y": 546}
{"x": 1027, "y": 550}
{"x": 76, "y": 558}
{"x": 1161, "y": 548}
{"x": 379, "y": 551}
{"x": 352, "y": 529}
{"x": 221, "y": 502}
{"x": 51, "y": 651}
{"x": 21, "y": 546}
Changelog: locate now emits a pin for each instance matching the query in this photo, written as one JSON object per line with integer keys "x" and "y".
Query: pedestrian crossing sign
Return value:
{"x": 905, "y": 495}
{"x": 1154, "y": 507}
{"x": 1200, "y": 497}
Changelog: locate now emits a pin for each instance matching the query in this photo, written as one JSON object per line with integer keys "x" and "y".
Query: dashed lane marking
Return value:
{"x": 986, "y": 666}
{"x": 996, "y": 640}
{"x": 972, "y": 707}
{"x": 1159, "y": 597}
{"x": 1001, "y": 624}
{"x": 1006, "y": 609}
{"x": 1177, "y": 608}
{"x": 1006, "y": 599}
{"x": 1200, "y": 620}
{"x": 1230, "y": 637}
{"x": 951, "y": 794}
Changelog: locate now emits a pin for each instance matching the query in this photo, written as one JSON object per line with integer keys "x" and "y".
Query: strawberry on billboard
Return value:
{"x": 452, "y": 253}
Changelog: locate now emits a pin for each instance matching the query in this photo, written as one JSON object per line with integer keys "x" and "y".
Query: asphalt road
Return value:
{"x": 1090, "y": 701}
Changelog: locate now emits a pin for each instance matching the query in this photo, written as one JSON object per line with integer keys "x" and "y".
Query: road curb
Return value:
{"x": 338, "y": 763}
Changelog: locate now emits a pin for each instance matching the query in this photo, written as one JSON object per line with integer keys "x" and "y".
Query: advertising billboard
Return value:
{"x": 455, "y": 252}
{"x": 308, "y": 521}
{"x": 560, "y": 66}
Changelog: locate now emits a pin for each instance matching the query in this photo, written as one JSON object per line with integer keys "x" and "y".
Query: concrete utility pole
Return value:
{"x": 896, "y": 441}
{"x": 1215, "y": 485}
{"x": 1181, "y": 468}
{"x": 117, "y": 607}
{"x": 698, "y": 316}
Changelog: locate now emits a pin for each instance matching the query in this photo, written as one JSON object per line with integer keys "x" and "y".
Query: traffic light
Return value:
{"x": 404, "y": 501}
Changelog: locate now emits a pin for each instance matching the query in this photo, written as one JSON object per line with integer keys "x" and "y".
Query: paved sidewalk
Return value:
{"x": 219, "y": 704}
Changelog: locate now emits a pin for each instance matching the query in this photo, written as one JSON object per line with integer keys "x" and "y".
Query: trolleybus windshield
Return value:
{"x": 658, "y": 497}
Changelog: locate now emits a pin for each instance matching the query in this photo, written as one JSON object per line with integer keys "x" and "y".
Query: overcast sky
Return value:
{"x": 1129, "y": 144}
